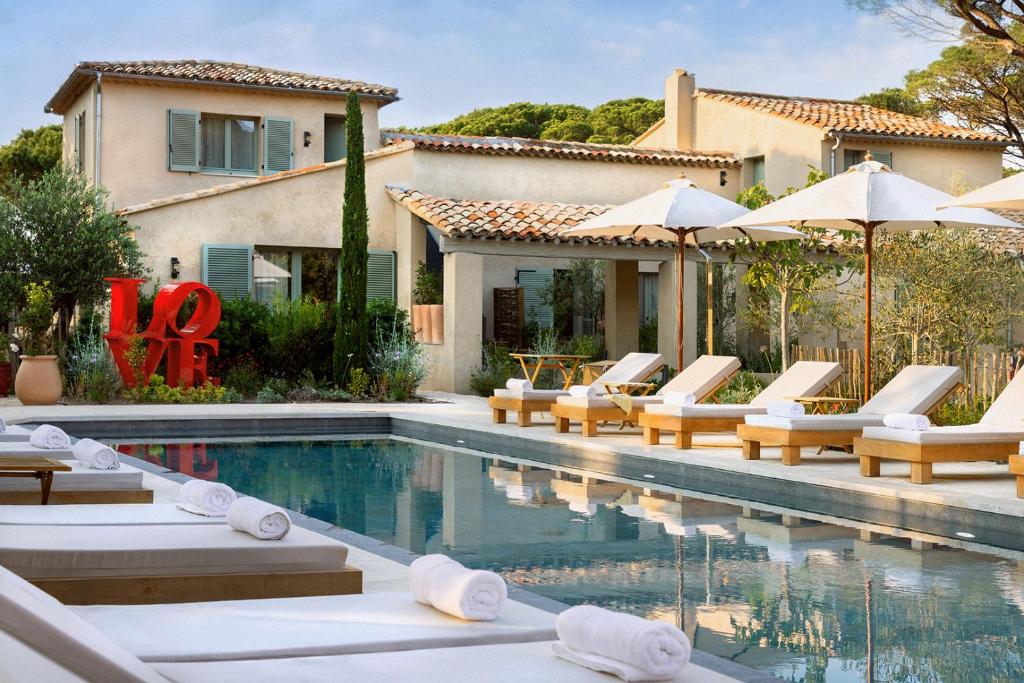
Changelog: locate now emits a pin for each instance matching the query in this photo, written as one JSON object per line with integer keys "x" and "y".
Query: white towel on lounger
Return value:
{"x": 632, "y": 648}
{"x": 48, "y": 436}
{"x": 785, "y": 409}
{"x": 446, "y": 585}
{"x": 259, "y": 518}
{"x": 207, "y": 498}
{"x": 915, "y": 423}
{"x": 98, "y": 456}
{"x": 582, "y": 390}
{"x": 519, "y": 385}
{"x": 679, "y": 398}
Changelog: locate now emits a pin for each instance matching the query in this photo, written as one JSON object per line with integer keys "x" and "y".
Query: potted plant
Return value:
{"x": 428, "y": 311}
{"x": 38, "y": 380}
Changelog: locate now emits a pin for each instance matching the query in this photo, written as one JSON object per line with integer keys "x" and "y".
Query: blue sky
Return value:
{"x": 449, "y": 56}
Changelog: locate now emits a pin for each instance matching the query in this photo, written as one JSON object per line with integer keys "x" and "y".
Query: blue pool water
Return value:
{"x": 803, "y": 600}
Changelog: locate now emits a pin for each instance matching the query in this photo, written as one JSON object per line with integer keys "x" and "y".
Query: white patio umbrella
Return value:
{"x": 868, "y": 197}
{"x": 683, "y": 213}
{"x": 1007, "y": 193}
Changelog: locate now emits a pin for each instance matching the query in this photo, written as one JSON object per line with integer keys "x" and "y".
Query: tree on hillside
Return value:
{"x": 30, "y": 154}
{"x": 895, "y": 99}
{"x": 351, "y": 339}
{"x": 616, "y": 122}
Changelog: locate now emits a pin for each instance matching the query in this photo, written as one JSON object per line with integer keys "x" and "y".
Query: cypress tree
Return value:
{"x": 351, "y": 338}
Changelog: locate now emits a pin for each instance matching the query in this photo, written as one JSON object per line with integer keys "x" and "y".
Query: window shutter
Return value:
{"x": 277, "y": 144}
{"x": 380, "y": 275}
{"x": 534, "y": 283}
{"x": 227, "y": 269}
{"x": 883, "y": 158}
{"x": 183, "y": 144}
{"x": 76, "y": 134}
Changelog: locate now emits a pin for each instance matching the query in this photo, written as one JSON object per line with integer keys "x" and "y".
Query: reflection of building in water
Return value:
{"x": 793, "y": 540}
{"x": 682, "y": 516}
{"x": 584, "y": 496}
{"x": 1010, "y": 579}
{"x": 916, "y": 565}
{"x": 522, "y": 484}
{"x": 187, "y": 458}
{"x": 428, "y": 472}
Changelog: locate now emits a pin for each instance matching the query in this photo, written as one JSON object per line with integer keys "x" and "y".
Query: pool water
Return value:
{"x": 801, "y": 599}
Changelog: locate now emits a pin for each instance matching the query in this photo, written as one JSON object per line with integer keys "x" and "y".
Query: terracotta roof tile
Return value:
{"x": 849, "y": 117}
{"x": 509, "y": 146}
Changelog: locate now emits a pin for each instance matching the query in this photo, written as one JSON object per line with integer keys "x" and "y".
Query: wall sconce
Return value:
{"x": 175, "y": 267}
{"x": 306, "y": 135}
{"x": 722, "y": 178}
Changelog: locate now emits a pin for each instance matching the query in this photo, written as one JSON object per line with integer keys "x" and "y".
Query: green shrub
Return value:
{"x": 496, "y": 369}
{"x": 741, "y": 389}
{"x": 428, "y": 288}
{"x": 269, "y": 395}
{"x": 399, "y": 365}
{"x": 300, "y": 337}
{"x": 589, "y": 345}
{"x": 385, "y": 316}
{"x": 36, "y": 318}
{"x": 649, "y": 336}
{"x": 956, "y": 413}
{"x": 156, "y": 390}
{"x": 242, "y": 334}
{"x": 243, "y": 376}
{"x": 89, "y": 368}
{"x": 358, "y": 382}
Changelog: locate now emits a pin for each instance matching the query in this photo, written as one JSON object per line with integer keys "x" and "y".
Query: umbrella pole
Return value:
{"x": 869, "y": 233}
{"x": 681, "y": 235}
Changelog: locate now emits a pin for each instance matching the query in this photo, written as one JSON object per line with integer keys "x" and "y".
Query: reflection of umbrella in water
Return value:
{"x": 265, "y": 271}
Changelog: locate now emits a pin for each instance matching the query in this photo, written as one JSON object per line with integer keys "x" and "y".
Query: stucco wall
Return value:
{"x": 948, "y": 168}
{"x": 134, "y": 136}
{"x": 83, "y": 104}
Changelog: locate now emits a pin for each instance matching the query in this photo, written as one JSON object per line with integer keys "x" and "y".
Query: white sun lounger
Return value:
{"x": 81, "y": 485}
{"x": 803, "y": 378}
{"x": 101, "y": 515}
{"x": 174, "y": 563}
{"x": 15, "y": 434}
{"x": 13, "y": 449}
{"x": 702, "y": 378}
{"x": 634, "y": 367}
{"x": 996, "y": 436}
{"x": 915, "y": 389}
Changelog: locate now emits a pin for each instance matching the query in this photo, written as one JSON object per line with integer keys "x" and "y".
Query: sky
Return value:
{"x": 447, "y": 57}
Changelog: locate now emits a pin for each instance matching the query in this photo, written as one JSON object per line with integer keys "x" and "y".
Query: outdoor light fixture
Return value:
{"x": 964, "y": 534}
{"x": 306, "y": 138}
{"x": 721, "y": 178}
{"x": 175, "y": 267}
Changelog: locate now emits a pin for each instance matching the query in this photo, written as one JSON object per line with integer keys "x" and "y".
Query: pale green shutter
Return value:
{"x": 380, "y": 275}
{"x": 183, "y": 140}
{"x": 227, "y": 269}
{"x": 535, "y": 283}
{"x": 76, "y": 134}
{"x": 883, "y": 158}
{"x": 277, "y": 144}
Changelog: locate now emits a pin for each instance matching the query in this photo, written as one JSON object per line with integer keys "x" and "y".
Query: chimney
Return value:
{"x": 679, "y": 114}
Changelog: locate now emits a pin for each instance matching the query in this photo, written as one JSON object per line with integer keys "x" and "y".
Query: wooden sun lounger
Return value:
{"x": 81, "y": 486}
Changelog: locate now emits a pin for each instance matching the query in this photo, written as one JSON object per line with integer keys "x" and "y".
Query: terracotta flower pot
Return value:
{"x": 420, "y": 320}
{"x": 437, "y": 323}
{"x": 38, "y": 381}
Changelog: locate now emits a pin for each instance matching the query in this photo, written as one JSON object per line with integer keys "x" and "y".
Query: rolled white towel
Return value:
{"x": 679, "y": 398}
{"x": 582, "y": 390}
{"x": 446, "y": 585}
{"x": 915, "y": 423}
{"x": 98, "y": 456}
{"x": 785, "y": 409}
{"x": 48, "y": 436}
{"x": 207, "y": 498}
{"x": 626, "y": 646}
{"x": 519, "y": 385}
{"x": 259, "y": 518}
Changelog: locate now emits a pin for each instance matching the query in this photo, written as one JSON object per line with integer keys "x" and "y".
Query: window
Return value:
{"x": 852, "y": 157}
{"x": 78, "y": 136}
{"x": 534, "y": 284}
{"x": 272, "y": 275}
{"x": 334, "y": 138}
{"x": 754, "y": 170}
{"x": 228, "y": 144}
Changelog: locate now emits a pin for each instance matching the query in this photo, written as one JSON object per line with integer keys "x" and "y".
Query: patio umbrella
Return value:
{"x": 682, "y": 213}
{"x": 868, "y": 197}
{"x": 1007, "y": 193}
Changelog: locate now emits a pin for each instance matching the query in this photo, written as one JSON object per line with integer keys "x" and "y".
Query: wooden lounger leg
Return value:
{"x": 870, "y": 466}
{"x": 499, "y": 415}
{"x": 524, "y": 418}
{"x": 561, "y": 424}
{"x": 790, "y": 455}
{"x": 652, "y": 436}
{"x": 590, "y": 428}
{"x": 684, "y": 440}
{"x": 921, "y": 472}
{"x": 751, "y": 450}
{"x": 1020, "y": 486}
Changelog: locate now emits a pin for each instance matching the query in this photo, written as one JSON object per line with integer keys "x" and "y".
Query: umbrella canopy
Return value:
{"x": 1007, "y": 193}
{"x": 263, "y": 270}
{"x": 869, "y": 196}
{"x": 683, "y": 213}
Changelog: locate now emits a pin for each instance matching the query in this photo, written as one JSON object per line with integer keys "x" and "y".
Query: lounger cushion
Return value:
{"x": 37, "y": 552}
{"x": 634, "y": 367}
{"x": 915, "y": 389}
{"x": 15, "y": 434}
{"x": 25, "y": 449}
{"x": 56, "y": 633}
{"x": 101, "y": 515}
{"x": 703, "y": 375}
{"x": 598, "y": 402}
{"x": 531, "y": 395}
{"x": 1008, "y": 408}
{"x": 514, "y": 663}
{"x": 803, "y": 378}
{"x": 706, "y": 410}
{"x": 963, "y": 434}
{"x": 81, "y": 478}
{"x": 297, "y": 627}
{"x": 813, "y": 423}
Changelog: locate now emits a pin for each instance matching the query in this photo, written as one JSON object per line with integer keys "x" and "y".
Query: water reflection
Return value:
{"x": 804, "y": 599}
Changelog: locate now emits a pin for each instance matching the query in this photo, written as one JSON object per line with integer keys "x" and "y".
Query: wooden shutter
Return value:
{"x": 227, "y": 269}
{"x": 76, "y": 134}
{"x": 380, "y": 275}
{"x": 277, "y": 144}
{"x": 508, "y": 316}
{"x": 883, "y": 158}
{"x": 183, "y": 141}
{"x": 534, "y": 284}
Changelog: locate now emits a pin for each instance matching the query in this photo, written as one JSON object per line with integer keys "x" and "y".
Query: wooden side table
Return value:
{"x": 593, "y": 370}
{"x": 533, "y": 363}
{"x": 37, "y": 468}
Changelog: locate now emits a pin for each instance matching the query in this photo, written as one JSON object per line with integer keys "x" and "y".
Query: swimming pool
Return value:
{"x": 804, "y": 600}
